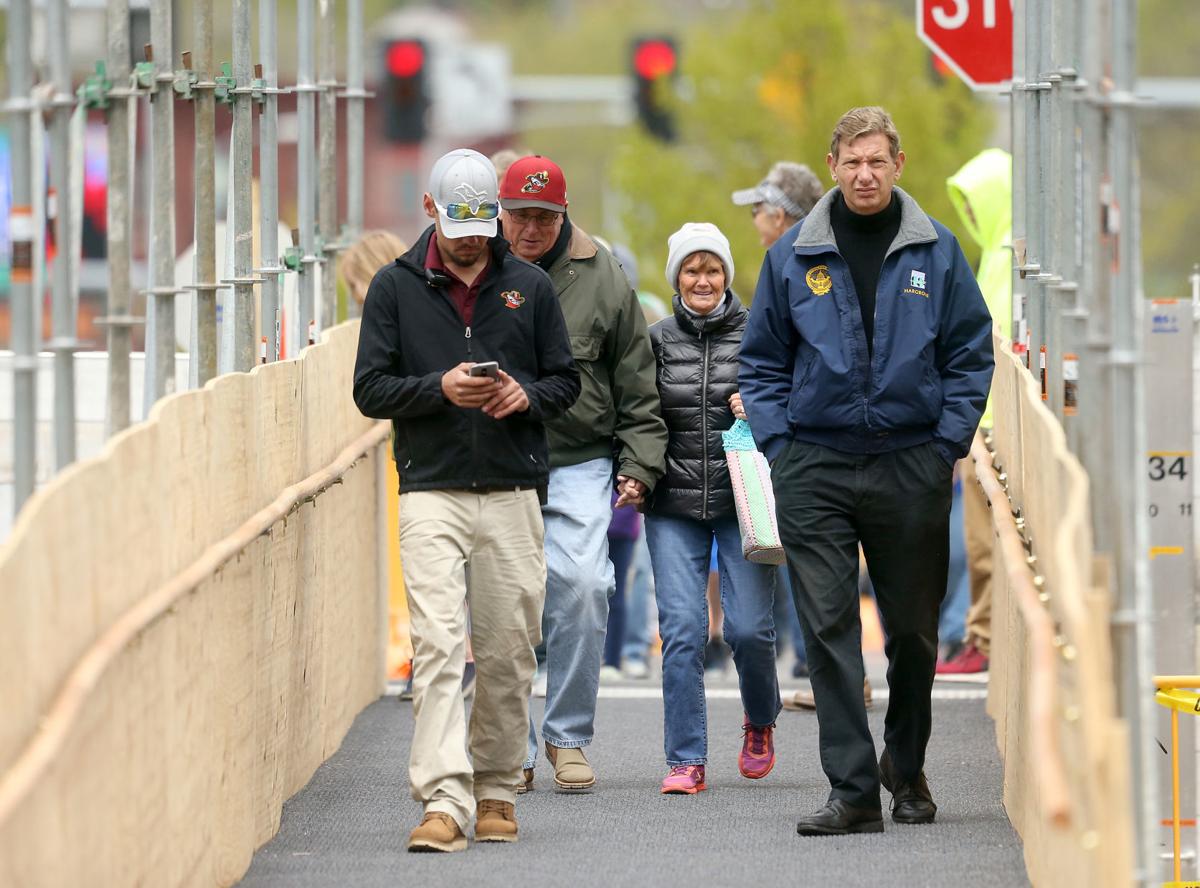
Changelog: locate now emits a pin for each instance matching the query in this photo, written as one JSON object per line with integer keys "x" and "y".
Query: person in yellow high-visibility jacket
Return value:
{"x": 982, "y": 193}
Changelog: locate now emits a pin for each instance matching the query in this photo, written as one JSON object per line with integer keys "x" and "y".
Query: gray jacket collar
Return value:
{"x": 816, "y": 233}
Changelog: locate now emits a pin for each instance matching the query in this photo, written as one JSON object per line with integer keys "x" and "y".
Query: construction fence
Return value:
{"x": 1067, "y": 780}
{"x": 191, "y": 622}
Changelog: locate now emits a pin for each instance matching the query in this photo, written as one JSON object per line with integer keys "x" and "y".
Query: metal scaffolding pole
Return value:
{"x": 327, "y": 158}
{"x": 355, "y": 126}
{"x": 204, "y": 345}
{"x": 1135, "y": 663}
{"x": 268, "y": 176}
{"x": 63, "y": 300}
{"x": 119, "y": 317}
{"x": 22, "y": 230}
{"x": 306, "y": 180}
{"x": 160, "y": 347}
{"x": 242, "y": 164}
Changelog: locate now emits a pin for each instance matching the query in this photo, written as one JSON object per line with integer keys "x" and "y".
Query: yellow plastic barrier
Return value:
{"x": 1171, "y": 693}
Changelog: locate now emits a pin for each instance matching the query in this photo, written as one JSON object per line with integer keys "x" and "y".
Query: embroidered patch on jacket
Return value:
{"x": 818, "y": 280}
{"x": 512, "y": 298}
{"x": 916, "y": 280}
{"x": 536, "y": 182}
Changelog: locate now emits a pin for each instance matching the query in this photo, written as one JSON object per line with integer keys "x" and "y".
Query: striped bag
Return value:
{"x": 753, "y": 496}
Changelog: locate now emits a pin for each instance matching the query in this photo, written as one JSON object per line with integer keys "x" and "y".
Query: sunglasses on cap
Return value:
{"x": 461, "y": 212}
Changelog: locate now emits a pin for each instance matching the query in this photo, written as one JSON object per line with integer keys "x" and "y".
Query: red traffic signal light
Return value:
{"x": 405, "y": 58}
{"x": 653, "y": 59}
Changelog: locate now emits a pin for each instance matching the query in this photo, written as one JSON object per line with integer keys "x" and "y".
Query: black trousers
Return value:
{"x": 897, "y": 505}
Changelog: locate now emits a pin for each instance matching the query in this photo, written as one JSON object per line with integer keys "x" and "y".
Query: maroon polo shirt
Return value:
{"x": 462, "y": 296}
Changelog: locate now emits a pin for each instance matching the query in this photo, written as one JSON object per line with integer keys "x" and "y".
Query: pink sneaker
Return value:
{"x": 757, "y": 757}
{"x": 684, "y": 780}
{"x": 969, "y": 664}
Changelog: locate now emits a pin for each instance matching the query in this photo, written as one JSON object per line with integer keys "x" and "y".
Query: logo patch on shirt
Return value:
{"x": 916, "y": 280}
{"x": 512, "y": 298}
{"x": 536, "y": 182}
{"x": 818, "y": 280}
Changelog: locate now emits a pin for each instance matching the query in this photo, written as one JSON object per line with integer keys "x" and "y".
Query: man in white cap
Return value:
{"x": 464, "y": 348}
{"x": 615, "y": 428}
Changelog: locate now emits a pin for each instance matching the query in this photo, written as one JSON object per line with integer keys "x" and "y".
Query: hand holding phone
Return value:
{"x": 489, "y": 369}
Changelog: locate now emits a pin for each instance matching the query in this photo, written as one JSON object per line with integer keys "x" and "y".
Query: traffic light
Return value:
{"x": 655, "y": 62}
{"x": 405, "y": 92}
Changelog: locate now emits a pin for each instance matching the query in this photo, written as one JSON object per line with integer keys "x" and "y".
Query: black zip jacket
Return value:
{"x": 697, "y": 360}
{"x": 411, "y": 334}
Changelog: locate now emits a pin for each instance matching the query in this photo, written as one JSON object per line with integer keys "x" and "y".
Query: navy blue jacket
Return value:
{"x": 805, "y": 373}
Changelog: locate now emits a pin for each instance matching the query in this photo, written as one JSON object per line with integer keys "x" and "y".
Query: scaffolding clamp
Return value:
{"x": 144, "y": 77}
{"x": 226, "y": 83}
{"x": 291, "y": 258}
{"x": 93, "y": 92}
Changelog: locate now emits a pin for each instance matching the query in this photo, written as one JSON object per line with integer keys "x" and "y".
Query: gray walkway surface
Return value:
{"x": 348, "y": 826}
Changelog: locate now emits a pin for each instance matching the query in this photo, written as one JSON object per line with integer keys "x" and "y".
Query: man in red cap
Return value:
{"x": 617, "y": 417}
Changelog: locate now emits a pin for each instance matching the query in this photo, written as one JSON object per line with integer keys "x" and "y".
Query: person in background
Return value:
{"x": 780, "y": 200}
{"x": 778, "y": 203}
{"x": 473, "y": 463}
{"x": 371, "y": 252}
{"x": 865, "y": 368}
{"x": 696, "y": 353}
{"x": 623, "y": 533}
{"x": 615, "y": 420}
{"x": 982, "y": 193}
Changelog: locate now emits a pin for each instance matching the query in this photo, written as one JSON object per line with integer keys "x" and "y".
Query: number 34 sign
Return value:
{"x": 973, "y": 37}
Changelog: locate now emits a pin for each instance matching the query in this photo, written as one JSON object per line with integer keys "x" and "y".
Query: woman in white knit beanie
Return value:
{"x": 696, "y": 352}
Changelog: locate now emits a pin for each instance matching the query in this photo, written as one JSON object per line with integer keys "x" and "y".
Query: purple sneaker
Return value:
{"x": 757, "y": 757}
{"x": 684, "y": 780}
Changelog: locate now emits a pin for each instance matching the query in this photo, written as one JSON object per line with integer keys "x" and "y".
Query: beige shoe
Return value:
{"x": 527, "y": 785}
{"x": 437, "y": 832}
{"x": 804, "y": 701}
{"x": 495, "y": 821}
{"x": 572, "y": 773}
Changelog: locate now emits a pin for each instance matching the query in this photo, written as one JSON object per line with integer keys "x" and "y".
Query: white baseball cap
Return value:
{"x": 465, "y": 182}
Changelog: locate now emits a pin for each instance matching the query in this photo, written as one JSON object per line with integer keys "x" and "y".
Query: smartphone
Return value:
{"x": 485, "y": 368}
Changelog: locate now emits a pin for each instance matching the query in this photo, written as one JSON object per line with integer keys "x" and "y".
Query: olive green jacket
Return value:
{"x": 618, "y": 410}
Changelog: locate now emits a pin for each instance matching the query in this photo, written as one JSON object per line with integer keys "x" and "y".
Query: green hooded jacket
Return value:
{"x": 982, "y": 193}
{"x": 618, "y": 408}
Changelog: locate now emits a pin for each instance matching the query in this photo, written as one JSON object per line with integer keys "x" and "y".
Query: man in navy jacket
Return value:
{"x": 864, "y": 371}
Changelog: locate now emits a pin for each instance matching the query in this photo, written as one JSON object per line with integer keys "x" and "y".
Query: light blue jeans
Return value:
{"x": 579, "y": 581}
{"x": 952, "y": 618}
{"x": 679, "y": 550}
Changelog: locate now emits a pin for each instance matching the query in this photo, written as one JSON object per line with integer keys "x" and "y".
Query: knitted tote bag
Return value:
{"x": 752, "y": 495}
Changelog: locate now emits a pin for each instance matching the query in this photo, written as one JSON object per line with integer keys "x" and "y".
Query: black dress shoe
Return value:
{"x": 912, "y": 802}
{"x": 839, "y": 818}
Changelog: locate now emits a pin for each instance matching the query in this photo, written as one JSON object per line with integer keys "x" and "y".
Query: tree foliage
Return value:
{"x": 768, "y": 85}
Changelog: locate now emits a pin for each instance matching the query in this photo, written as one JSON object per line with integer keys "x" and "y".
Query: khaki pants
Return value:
{"x": 486, "y": 550}
{"x": 977, "y": 520}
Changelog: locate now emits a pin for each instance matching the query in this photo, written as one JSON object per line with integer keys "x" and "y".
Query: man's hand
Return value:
{"x": 735, "y": 404}
{"x": 630, "y": 491}
{"x": 463, "y": 390}
{"x": 511, "y": 398}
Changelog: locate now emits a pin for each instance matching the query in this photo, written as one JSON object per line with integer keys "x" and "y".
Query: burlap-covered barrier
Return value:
{"x": 1051, "y": 689}
{"x": 165, "y": 688}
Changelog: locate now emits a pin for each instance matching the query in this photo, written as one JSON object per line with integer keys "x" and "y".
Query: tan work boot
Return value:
{"x": 495, "y": 821}
{"x": 572, "y": 773}
{"x": 527, "y": 784}
{"x": 804, "y": 701}
{"x": 437, "y": 832}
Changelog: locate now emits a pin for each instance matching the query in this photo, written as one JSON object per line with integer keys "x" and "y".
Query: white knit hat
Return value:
{"x": 695, "y": 237}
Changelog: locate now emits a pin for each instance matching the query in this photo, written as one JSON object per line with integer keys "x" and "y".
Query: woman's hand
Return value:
{"x": 735, "y": 404}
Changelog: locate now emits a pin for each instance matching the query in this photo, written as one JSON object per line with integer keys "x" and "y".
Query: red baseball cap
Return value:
{"x": 534, "y": 181}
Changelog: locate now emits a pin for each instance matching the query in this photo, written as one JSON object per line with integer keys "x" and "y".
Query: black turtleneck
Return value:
{"x": 564, "y": 237}
{"x": 863, "y": 242}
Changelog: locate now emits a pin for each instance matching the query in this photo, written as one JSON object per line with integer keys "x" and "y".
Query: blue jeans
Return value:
{"x": 579, "y": 581}
{"x": 952, "y": 619}
{"x": 637, "y": 605}
{"x": 679, "y": 550}
{"x": 620, "y": 553}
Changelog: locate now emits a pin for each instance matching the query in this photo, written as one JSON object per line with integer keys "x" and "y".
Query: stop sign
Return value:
{"x": 973, "y": 37}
